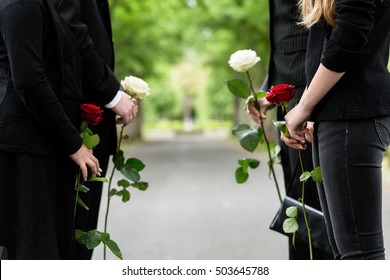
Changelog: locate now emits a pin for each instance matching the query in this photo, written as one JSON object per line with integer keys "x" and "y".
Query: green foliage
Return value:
{"x": 153, "y": 37}
{"x": 238, "y": 88}
{"x": 249, "y": 137}
{"x": 91, "y": 239}
{"x": 290, "y": 225}
{"x": 242, "y": 171}
{"x": 281, "y": 125}
{"x": 315, "y": 174}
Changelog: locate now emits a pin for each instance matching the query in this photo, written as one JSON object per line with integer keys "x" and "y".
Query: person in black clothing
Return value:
{"x": 288, "y": 48}
{"x": 348, "y": 98}
{"x": 96, "y": 15}
{"x": 40, "y": 96}
{"x": 90, "y": 22}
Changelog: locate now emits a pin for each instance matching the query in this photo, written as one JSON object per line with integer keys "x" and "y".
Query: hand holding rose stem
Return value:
{"x": 137, "y": 89}
{"x": 270, "y": 162}
{"x": 280, "y": 95}
{"x": 242, "y": 61}
{"x": 90, "y": 114}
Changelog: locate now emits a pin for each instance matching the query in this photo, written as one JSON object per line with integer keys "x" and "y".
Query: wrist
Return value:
{"x": 115, "y": 101}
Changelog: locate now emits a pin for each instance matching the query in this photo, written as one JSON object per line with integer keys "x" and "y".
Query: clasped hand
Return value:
{"x": 299, "y": 128}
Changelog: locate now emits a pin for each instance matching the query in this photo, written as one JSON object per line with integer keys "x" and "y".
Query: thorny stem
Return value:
{"x": 78, "y": 175}
{"x": 270, "y": 162}
{"x": 109, "y": 189}
{"x": 77, "y": 186}
{"x": 304, "y": 209}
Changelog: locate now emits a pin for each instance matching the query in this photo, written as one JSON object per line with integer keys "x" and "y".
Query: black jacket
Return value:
{"x": 359, "y": 46}
{"x": 32, "y": 118}
{"x": 288, "y": 45}
{"x": 96, "y": 73}
{"x": 288, "y": 49}
{"x": 90, "y": 22}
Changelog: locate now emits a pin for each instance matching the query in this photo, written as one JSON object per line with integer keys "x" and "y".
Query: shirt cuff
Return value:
{"x": 116, "y": 100}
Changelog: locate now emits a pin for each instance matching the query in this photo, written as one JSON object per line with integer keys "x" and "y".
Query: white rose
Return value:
{"x": 135, "y": 87}
{"x": 242, "y": 60}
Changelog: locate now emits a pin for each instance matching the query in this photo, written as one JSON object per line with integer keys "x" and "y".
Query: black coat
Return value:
{"x": 32, "y": 118}
{"x": 96, "y": 15}
{"x": 96, "y": 73}
{"x": 90, "y": 22}
{"x": 288, "y": 45}
{"x": 40, "y": 94}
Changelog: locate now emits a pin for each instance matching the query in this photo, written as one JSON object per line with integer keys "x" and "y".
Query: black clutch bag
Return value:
{"x": 319, "y": 236}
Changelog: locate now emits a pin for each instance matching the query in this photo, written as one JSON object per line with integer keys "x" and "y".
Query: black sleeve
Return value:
{"x": 96, "y": 73}
{"x": 354, "y": 22}
{"x": 23, "y": 25}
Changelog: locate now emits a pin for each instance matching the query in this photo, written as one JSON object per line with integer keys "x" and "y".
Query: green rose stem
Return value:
{"x": 304, "y": 209}
{"x": 77, "y": 192}
{"x": 83, "y": 129}
{"x": 109, "y": 189}
{"x": 270, "y": 163}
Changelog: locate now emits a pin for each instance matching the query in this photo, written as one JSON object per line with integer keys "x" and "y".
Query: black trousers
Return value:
{"x": 350, "y": 154}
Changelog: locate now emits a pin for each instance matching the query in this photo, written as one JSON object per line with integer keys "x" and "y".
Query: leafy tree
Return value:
{"x": 153, "y": 37}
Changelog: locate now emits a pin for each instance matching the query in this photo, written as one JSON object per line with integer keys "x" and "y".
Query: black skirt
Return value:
{"x": 27, "y": 206}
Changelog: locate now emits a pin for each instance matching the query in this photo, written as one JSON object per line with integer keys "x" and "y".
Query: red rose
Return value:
{"x": 91, "y": 114}
{"x": 280, "y": 93}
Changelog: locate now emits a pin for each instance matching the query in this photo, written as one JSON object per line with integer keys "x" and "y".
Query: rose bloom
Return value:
{"x": 135, "y": 87}
{"x": 280, "y": 93}
{"x": 91, "y": 114}
{"x": 242, "y": 60}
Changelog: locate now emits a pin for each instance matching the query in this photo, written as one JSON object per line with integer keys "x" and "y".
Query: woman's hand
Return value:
{"x": 291, "y": 142}
{"x": 309, "y": 134}
{"x": 83, "y": 158}
{"x": 296, "y": 123}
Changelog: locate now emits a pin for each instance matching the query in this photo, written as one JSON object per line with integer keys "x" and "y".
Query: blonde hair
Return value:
{"x": 313, "y": 11}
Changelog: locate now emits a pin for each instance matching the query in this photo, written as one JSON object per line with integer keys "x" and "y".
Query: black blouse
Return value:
{"x": 359, "y": 46}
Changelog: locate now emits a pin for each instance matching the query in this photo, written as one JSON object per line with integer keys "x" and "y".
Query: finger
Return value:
{"x": 122, "y": 120}
{"x": 308, "y": 137}
{"x": 292, "y": 143}
{"x": 134, "y": 111}
{"x": 84, "y": 172}
{"x": 92, "y": 165}
{"x": 298, "y": 137}
{"x": 134, "y": 115}
{"x": 253, "y": 111}
{"x": 97, "y": 166}
{"x": 119, "y": 120}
